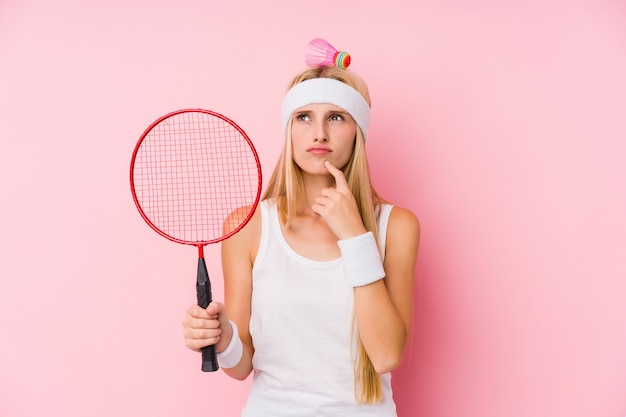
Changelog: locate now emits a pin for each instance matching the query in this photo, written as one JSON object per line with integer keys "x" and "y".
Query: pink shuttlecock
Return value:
{"x": 320, "y": 52}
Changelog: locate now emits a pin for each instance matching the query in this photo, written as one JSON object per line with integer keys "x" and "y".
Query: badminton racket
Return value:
{"x": 195, "y": 178}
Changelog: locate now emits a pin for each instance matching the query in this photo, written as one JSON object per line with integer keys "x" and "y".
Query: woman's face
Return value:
{"x": 322, "y": 132}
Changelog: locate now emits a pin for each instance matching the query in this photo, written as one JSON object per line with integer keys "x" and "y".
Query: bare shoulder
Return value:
{"x": 403, "y": 233}
{"x": 246, "y": 239}
{"x": 403, "y": 221}
{"x": 239, "y": 216}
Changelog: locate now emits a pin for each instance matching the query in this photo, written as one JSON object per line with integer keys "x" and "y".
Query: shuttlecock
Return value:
{"x": 320, "y": 52}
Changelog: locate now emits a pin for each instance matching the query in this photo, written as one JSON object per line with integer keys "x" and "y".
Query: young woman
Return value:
{"x": 319, "y": 284}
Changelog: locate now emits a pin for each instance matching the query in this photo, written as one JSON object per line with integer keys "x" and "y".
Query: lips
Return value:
{"x": 319, "y": 150}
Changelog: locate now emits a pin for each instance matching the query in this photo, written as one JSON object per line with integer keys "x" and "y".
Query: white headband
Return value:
{"x": 330, "y": 91}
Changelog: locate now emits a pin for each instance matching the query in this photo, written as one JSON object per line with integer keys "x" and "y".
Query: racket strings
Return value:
{"x": 194, "y": 176}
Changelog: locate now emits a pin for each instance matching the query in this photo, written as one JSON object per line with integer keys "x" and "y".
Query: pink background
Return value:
{"x": 501, "y": 124}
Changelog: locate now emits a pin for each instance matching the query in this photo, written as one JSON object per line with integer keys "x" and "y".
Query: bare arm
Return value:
{"x": 238, "y": 254}
{"x": 384, "y": 309}
{"x": 205, "y": 327}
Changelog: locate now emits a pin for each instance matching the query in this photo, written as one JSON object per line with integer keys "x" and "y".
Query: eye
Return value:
{"x": 302, "y": 117}
{"x": 335, "y": 117}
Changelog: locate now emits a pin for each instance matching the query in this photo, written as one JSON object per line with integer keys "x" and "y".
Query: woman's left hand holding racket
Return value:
{"x": 206, "y": 327}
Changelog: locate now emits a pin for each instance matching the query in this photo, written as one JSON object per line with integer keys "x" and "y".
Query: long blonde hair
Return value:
{"x": 286, "y": 188}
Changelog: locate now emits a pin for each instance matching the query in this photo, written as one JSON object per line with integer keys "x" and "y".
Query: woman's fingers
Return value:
{"x": 201, "y": 327}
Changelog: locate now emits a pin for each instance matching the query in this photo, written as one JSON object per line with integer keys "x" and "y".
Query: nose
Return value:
{"x": 321, "y": 134}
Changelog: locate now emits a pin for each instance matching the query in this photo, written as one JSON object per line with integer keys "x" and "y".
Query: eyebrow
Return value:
{"x": 341, "y": 112}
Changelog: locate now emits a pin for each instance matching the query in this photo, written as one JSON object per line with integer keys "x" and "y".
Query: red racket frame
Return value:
{"x": 203, "y": 285}
{"x": 199, "y": 244}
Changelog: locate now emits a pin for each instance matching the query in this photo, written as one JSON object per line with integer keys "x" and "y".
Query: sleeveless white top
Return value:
{"x": 301, "y": 330}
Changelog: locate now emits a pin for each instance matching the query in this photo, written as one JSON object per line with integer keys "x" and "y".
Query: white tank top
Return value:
{"x": 301, "y": 330}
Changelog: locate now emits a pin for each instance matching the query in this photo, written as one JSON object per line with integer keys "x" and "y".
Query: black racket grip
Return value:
{"x": 203, "y": 291}
{"x": 209, "y": 359}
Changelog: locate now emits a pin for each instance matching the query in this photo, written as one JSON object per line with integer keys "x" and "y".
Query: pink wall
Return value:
{"x": 501, "y": 124}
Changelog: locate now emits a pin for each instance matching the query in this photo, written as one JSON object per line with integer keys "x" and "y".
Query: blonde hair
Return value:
{"x": 286, "y": 187}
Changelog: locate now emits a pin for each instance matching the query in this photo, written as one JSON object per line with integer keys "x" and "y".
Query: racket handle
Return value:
{"x": 203, "y": 292}
{"x": 209, "y": 359}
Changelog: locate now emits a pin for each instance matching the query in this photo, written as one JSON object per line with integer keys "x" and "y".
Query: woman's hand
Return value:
{"x": 206, "y": 327}
{"x": 338, "y": 207}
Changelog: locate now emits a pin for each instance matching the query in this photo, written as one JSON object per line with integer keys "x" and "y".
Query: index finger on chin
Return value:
{"x": 340, "y": 179}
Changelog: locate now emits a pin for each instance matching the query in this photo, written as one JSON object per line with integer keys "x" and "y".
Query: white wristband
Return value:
{"x": 361, "y": 259}
{"x": 231, "y": 356}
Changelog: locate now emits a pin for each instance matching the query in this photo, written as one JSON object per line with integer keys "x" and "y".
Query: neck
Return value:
{"x": 313, "y": 185}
